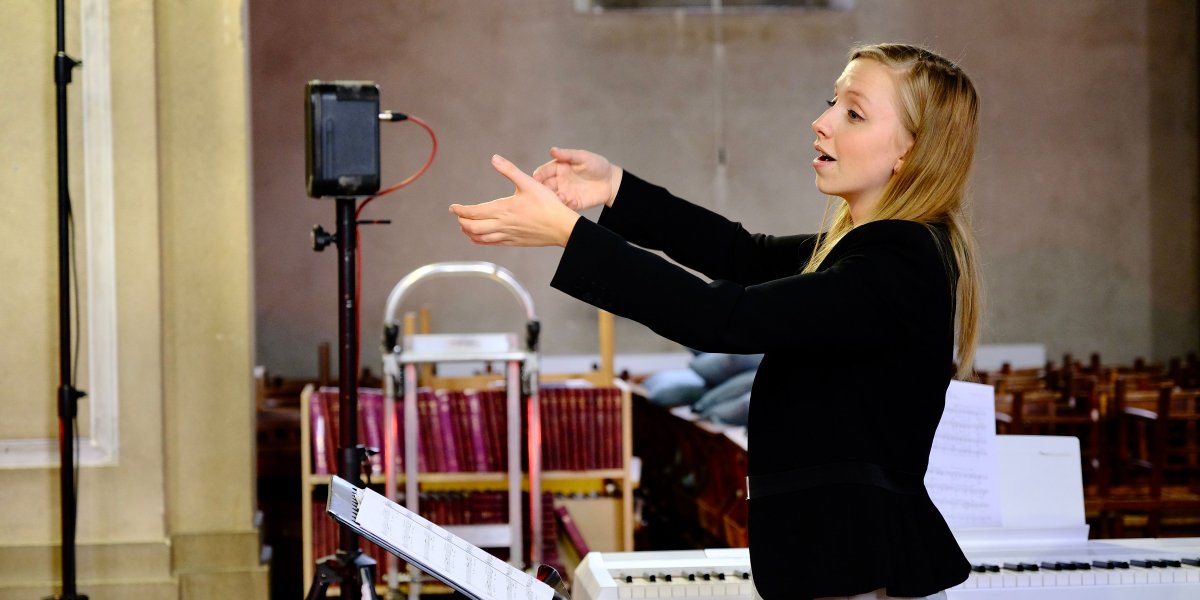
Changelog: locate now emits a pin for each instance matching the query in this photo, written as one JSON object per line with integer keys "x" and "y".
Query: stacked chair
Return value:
{"x": 1139, "y": 432}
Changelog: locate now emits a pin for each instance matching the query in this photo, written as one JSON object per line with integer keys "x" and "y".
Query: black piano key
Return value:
{"x": 1014, "y": 567}
{"x": 979, "y": 568}
{"x": 629, "y": 579}
{"x": 1082, "y": 566}
{"x": 1170, "y": 562}
{"x": 691, "y": 576}
{"x": 1104, "y": 564}
{"x": 1195, "y": 562}
{"x": 1138, "y": 562}
{"x": 1121, "y": 564}
{"x": 992, "y": 568}
{"x": 1053, "y": 566}
{"x": 653, "y": 578}
{"x": 667, "y": 577}
{"x": 1029, "y": 566}
{"x": 721, "y": 576}
{"x": 1158, "y": 562}
{"x": 708, "y": 576}
{"x": 746, "y": 575}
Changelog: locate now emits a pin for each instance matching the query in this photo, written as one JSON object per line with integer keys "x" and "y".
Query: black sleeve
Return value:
{"x": 651, "y": 217}
{"x": 857, "y": 300}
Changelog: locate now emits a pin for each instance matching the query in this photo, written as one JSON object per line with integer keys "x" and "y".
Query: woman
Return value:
{"x": 858, "y": 324}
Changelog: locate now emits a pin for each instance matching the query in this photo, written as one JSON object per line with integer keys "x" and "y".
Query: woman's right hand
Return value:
{"x": 582, "y": 179}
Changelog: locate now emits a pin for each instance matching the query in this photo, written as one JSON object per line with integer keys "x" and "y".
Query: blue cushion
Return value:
{"x": 674, "y": 387}
{"x": 717, "y": 367}
{"x": 730, "y": 412}
{"x": 734, "y": 387}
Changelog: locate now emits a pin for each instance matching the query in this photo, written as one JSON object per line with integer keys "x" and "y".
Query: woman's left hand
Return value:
{"x": 532, "y": 216}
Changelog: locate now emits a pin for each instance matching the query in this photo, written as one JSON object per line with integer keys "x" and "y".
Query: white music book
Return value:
{"x": 1001, "y": 490}
{"x": 453, "y": 560}
{"x": 962, "y": 476}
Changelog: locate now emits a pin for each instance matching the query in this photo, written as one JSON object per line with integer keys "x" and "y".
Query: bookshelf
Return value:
{"x": 603, "y": 477}
{"x": 611, "y": 514}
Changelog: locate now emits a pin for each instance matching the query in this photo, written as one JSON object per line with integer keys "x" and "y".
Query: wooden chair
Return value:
{"x": 1185, "y": 374}
{"x": 1134, "y": 492}
{"x": 1046, "y": 412}
{"x": 1183, "y": 440}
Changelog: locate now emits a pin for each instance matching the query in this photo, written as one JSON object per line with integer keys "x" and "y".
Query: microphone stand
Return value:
{"x": 68, "y": 396}
{"x": 349, "y": 566}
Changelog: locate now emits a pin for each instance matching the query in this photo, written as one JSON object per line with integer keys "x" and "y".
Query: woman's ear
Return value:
{"x": 903, "y": 153}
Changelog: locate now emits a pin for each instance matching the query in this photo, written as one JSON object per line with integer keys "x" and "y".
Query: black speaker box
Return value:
{"x": 341, "y": 133}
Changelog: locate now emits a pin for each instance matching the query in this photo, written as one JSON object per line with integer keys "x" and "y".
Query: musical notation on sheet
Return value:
{"x": 962, "y": 475}
{"x": 444, "y": 554}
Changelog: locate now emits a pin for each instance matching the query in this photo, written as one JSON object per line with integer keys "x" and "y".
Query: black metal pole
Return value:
{"x": 349, "y": 467}
{"x": 68, "y": 396}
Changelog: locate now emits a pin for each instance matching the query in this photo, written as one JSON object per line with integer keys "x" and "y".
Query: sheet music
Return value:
{"x": 962, "y": 476}
{"x": 444, "y": 554}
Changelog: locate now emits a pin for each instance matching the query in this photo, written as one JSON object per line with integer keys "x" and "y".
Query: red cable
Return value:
{"x": 357, "y": 238}
{"x": 414, "y": 176}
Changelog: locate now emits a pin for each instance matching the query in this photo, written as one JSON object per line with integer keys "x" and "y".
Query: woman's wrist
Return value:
{"x": 614, "y": 183}
{"x": 568, "y": 229}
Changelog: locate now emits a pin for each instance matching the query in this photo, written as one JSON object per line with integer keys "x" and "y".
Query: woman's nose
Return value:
{"x": 819, "y": 128}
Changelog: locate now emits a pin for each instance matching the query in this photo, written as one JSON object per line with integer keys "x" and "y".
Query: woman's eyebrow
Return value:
{"x": 856, "y": 94}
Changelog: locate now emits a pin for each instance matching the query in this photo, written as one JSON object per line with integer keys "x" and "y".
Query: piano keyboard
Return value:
{"x": 1102, "y": 569}
{"x": 1166, "y": 569}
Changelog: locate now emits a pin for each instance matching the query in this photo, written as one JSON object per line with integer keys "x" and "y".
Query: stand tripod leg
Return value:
{"x": 358, "y": 570}
{"x": 322, "y": 578}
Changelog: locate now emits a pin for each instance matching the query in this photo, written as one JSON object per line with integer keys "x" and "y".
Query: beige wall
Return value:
{"x": 1085, "y": 186}
{"x": 169, "y": 513}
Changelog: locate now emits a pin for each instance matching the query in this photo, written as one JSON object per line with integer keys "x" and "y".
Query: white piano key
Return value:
{"x": 639, "y": 591}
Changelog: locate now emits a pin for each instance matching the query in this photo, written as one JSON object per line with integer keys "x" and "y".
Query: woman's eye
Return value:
{"x": 854, "y": 116}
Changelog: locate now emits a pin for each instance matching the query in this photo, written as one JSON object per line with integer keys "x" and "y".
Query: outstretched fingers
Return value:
{"x": 474, "y": 211}
{"x": 513, "y": 173}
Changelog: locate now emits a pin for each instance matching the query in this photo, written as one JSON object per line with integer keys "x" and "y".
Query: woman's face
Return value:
{"x": 860, "y": 140}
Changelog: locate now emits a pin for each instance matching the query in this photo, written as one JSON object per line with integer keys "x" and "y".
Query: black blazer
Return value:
{"x": 858, "y": 356}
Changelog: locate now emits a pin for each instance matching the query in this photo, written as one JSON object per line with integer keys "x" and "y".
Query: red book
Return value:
{"x": 462, "y": 431}
{"x": 317, "y": 431}
{"x": 546, "y": 404}
{"x": 370, "y": 410}
{"x": 578, "y": 434}
{"x": 617, "y": 401}
{"x": 562, "y": 433}
{"x": 599, "y": 408}
{"x": 333, "y": 430}
{"x": 445, "y": 432}
{"x": 497, "y": 426}
{"x": 475, "y": 429}
{"x": 607, "y": 447}
{"x": 398, "y": 420}
{"x": 427, "y": 415}
{"x": 574, "y": 536}
{"x": 591, "y": 425}
{"x": 558, "y": 427}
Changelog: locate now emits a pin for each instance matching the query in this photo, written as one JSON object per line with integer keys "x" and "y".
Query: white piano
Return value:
{"x": 1040, "y": 551}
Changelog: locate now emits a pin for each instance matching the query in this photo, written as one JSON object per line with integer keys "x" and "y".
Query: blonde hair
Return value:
{"x": 937, "y": 104}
